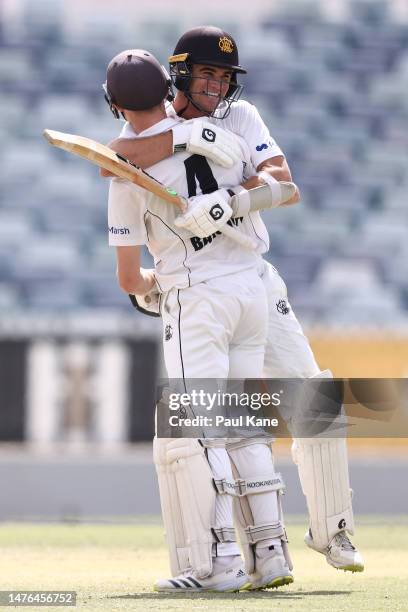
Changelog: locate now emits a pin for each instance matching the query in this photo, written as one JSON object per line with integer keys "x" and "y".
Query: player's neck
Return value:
{"x": 143, "y": 120}
{"x": 185, "y": 109}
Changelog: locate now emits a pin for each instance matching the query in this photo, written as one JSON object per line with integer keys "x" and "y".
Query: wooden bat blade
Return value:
{"x": 106, "y": 158}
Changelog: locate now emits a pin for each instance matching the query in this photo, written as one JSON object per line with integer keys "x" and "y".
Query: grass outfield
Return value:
{"x": 112, "y": 567}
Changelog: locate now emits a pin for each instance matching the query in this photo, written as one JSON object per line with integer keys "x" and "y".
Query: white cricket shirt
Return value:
{"x": 136, "y": 217}
{"x": 245, "y": 121}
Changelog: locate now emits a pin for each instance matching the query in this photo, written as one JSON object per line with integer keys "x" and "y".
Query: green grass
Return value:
{"x": 113, "y": 567}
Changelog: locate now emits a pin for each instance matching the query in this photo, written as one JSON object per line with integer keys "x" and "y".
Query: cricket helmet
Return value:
{"x": 136, "y": 81}
{"x": 210, "y": 46}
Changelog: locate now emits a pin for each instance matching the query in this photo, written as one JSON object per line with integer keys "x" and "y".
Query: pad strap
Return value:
{"x": 224, "y": 535}
{"x": 264, "y": 532}
{"x": 249, "y": 486}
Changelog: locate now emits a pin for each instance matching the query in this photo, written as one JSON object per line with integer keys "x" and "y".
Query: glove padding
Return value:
{"x": 206, "y": 214}
{"x": 270, "y": 195}
{"x": 148, "y": 304}
{"x": 204, "y": 138}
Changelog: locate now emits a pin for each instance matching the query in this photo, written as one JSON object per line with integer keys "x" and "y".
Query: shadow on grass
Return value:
{"x": 285, "y": 595}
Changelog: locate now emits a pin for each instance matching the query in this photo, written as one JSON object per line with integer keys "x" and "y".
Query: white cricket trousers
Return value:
{"x": 216, "y": 329}
{"x": 287, "y": 352}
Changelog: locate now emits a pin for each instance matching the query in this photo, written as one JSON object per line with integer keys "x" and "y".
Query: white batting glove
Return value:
{"x": 204, "y": 138}
{"x": 206, "y": 214}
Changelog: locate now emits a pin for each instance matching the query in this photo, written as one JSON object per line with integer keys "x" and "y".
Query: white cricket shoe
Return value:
{"x": 227, "y": 579}
{"x": 272, "y": 569}
{"x": 340, "y": 553}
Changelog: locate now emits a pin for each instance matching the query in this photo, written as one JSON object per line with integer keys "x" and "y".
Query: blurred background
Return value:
{"x": 77, "y": 364}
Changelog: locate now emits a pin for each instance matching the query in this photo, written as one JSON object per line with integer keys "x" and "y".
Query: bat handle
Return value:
{"x": 234, "y": 234}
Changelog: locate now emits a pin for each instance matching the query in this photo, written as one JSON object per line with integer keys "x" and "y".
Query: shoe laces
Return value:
{"x": 343, "y": 541}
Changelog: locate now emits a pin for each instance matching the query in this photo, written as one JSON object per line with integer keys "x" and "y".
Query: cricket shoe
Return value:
{"x": 272, "y": 569}
{"x": 340, "y": 553}
{"x": 229, "y": 579}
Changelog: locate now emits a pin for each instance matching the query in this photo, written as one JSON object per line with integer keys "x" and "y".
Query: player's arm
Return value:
{"x": 127, "y": 232}
{"x": 197, "y": 136}
{"x": 278, "y": 169}
{"x": 265, "y": 154}
{"x": 209, "y": 213}
{"x": 131, "y": 277}
{"x": 144, "y": 152}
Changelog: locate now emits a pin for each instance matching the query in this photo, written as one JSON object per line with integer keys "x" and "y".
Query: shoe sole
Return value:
{"x": 192, "y": 590}
{"x": 236, "y": 589}
{"x": 274, "y": 583}
{"x": 349, "y": 568}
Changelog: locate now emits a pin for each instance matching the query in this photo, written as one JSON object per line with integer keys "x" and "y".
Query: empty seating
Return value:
{"x": 329, "y": 79}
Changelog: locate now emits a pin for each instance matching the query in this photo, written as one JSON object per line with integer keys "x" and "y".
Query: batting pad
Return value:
{"x": 187, "y": 498}
{"x": 323, "y": 471}
{"x": 257, "y": 491}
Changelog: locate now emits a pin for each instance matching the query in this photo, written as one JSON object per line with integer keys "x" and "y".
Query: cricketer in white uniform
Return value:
{"x": 195, "y": 336}
{"x": 213, "y": 328}
{"x": 322, "y": 463}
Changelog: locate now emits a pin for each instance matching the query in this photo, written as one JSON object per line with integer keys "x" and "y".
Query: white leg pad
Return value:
{"x": 323, "y": 471}
{"x": 187, "y": 498}
{"x": 193, "y": 524}
{"x": 257, "y": 491}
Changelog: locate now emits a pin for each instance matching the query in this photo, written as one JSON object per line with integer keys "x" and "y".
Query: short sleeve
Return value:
{"x": 248, "y": 123}
{"x": 126, "y": 211}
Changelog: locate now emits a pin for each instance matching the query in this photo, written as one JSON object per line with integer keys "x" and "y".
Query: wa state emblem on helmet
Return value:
{"x": 226, "y": 44}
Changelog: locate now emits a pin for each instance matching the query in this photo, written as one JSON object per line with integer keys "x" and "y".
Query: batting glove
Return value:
{"x": 204, "y": 138}
{"x": 206, "y": 214}
{"x": 148, "y": 304}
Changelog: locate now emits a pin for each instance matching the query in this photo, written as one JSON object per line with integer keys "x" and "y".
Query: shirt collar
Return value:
{"x": 162, "y": 126}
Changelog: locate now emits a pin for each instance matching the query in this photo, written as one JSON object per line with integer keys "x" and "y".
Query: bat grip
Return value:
{"x": 234, "y": 234}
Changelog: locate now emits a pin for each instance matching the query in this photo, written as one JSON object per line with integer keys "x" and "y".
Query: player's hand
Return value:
{"x": 206, "y": 214}
{"x": 204, "y": 138}
{"x": 149, "y": 303}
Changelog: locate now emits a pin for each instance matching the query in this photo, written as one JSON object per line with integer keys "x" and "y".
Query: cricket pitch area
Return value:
{"x": 113, "y": 567}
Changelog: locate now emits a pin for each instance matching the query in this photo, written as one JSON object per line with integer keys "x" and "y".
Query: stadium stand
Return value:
{"x": 333, "y": 93}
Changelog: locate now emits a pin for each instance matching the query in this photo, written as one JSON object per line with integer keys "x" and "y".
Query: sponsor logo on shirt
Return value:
{"x": 265, "y": 145}
{"x": 122, "y": 231}
{"x": 200, "y": 243}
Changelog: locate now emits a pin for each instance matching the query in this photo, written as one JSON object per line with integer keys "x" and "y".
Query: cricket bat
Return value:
{"x": 106, "y": 158}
